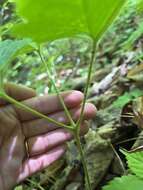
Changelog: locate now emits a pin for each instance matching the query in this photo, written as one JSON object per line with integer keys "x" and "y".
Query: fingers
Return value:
{"x": 38, "y": 163}
{"x": 40, "y": 126}
{"x": 41, "y": 144}
{"x": 49, "y": 104}
{"x": 17, "y": 92}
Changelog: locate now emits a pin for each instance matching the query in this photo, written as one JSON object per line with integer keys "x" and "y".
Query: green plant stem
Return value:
{"x": 87, "y": 86}
{"x": 56, "y": 89}
{"x": 36, "y": 185}
{"x": 34, "y": 112}
{"x": 77, "y": 130}
{"x": 80, "y": 149}
{"x": 1, "y": 81}
{"x": 76, "y": 127}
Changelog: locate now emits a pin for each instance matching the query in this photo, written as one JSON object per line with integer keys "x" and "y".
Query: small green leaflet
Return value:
{"x": 135, "y": 162}
{"x": 8, "y": 50}
{"x": 129, "y": 182}
{"x": 127, "y": 97}
{"x": 47, "y": 20}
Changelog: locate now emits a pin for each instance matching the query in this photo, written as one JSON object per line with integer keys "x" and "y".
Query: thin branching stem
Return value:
{"x": 76, "y": 127}
{"x": 129, "y": 140}
{"x": 77, "y": 131}
{"x": 34, "y": 112}
{"x": 93, "y": 56}
{"x": 81, "y": 152}
{"x": 56, "y": 89}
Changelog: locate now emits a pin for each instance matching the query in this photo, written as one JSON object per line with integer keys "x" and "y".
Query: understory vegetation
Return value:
{"x": 113, "y": 146}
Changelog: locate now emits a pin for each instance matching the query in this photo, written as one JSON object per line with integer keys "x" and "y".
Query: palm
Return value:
{"x": 12, "y": 147}
{"x": 45, "y": 140}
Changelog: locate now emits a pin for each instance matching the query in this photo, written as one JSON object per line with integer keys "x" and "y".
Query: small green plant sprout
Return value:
{"x": 132, "y": 181}
{"x": 49, "y": 20}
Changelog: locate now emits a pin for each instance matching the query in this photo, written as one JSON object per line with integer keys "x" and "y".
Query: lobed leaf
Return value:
{"x": 135, "y": 162}
{"x": 100, "y": 14}
{"x": 129, "y": 182}
{"x": 52, "y": 19}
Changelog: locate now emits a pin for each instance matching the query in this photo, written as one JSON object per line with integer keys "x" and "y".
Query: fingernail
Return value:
{"x": 74, "y": 98}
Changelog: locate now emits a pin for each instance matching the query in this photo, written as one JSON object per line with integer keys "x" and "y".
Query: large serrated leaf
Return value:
{"x": 129, "y": 182}
{"x": 52, "y": 19}
{"x": 135, "y": 162}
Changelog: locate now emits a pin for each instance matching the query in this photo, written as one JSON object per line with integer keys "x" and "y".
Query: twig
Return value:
{"x": 109, "y": 79}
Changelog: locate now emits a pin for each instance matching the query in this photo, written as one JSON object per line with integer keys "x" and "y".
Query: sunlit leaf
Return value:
{"x": 127, "y": 97}
{"x": 135, "y": 162}
{"x": 52, "y": 19}
{"x": 129, "y": 182}
{"x": 140, "y": 6}
{"x": 100, "y": 14}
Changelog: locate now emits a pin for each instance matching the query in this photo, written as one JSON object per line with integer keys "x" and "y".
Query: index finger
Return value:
{"x": 49, "y": 104}
{"x": 18, "y": 92}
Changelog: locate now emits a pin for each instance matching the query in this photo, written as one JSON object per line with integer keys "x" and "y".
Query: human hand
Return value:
{"x": 45, "y": 140}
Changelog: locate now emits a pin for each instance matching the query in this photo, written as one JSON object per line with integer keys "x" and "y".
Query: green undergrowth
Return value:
{"x": 134, "y": 179}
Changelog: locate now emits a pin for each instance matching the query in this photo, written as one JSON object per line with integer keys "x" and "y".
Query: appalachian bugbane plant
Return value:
{"x": 53, "y": 19}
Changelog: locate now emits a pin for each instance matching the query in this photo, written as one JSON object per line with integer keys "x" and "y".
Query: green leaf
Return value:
{"x": 140, "y": 6}
{"x": 100, "y": 14}
{"x": 127, "y": 97}
{"x": 8, "y": 50}
{"x": 19, "y": 188}
{"x": 128, "y": 44}
{"x": 135, "y": 162}
{"x": 129, "y": 182}
{"x": 52, "y": 19}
